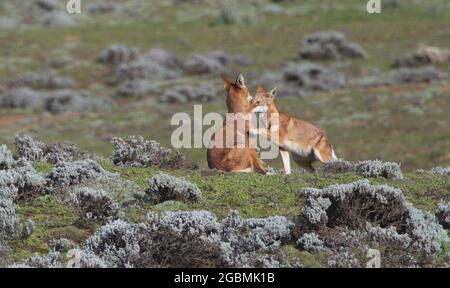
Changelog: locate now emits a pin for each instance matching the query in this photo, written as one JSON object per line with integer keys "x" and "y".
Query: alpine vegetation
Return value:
{"x": 163, "y": 187}
{"x": 330, "y": 45}
{"x": 337, "y": 166}
{"x": 187, "y": 239}
{"x": 117, "y": 53}
{"x": 120, "y": 244}
{"x": 93, "y": 204}
{"x": 369, "y": 168}
{"x": 350, "y": 217}
{"x": 377, "y": 168}
{"x": 43, "y": 80}
{"x": 138, "y": 88}
{"x": 311, "y": 242}
{"x": 6, "y": 158}
{"x": 440, "y": 171}
{"x": 51, "y": 260}
{"x": 143, "y": 68}
{"x": 22, "y": 181}
{"x": 28, "y": 148}
{"x": 35, "y": 150}
{"x": 61, "y": 244}
{"x": 313, "y": 77}
{"x": 135, "y": 151}
{"x": 21, "y": 97}
{"x": 214, "y": 62}
{"x": 185, "y": 93}
{"x": 415, "y": 75}
{"x": 66, "y": 174}
{"x": 443, "y": 214}
{"x": 74, "y": 101}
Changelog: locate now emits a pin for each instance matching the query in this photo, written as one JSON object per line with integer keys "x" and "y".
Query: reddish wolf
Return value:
{"x": 234, "y": 159}
{"x": 303, "y": 140}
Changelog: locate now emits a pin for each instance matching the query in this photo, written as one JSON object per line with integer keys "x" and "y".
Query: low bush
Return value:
{"x": 117, "y": 53}
{"x": 43, "y": 80}
{"x": 330, "y": 45}
{"x": 313, "y": 77}
{"x": 439, "y": 171}
{"x": 135, "y": 88}
{"x": 350, "y": 218}
{"x": 93, "y": 204}
{"x": 135, "y": 151}
{"x": 185, "y": 93}
{"x": 163, "y": 187}
{"x": 73, "y": 101}
{"x": 377, "y": 168}
{"x": 443, "y": 214}
{"x": 66, "y": 174}
{"x": 35, "y": 150}
{"x": 21, "y": 97}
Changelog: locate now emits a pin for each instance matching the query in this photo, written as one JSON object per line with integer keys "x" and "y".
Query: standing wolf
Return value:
{"x": 303, "y": 140}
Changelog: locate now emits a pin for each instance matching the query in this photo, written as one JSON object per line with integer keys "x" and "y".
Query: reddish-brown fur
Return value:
{"x": 306, "y": 142}
{"x": 234, "y": 159}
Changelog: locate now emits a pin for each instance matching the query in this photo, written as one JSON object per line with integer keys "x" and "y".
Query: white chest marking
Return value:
{"x": 297, "y": 149}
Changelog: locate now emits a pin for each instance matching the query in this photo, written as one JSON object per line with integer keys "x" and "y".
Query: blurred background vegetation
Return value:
{"x": 407, "y": 121}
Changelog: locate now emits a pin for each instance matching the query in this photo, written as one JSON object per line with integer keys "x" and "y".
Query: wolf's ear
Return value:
{"x": 273, "y": 93}
{"x": 260, "y": 90}
{"x": 227, "y": 83}
{"x": 240, "y": 81}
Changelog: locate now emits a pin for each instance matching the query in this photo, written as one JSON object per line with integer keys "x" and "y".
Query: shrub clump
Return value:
{"x": 28, "y": 148}
{"x": 120, "y": 244}
{"x": 337, "y": 166}
{"x": 21, "y": 97}
{"x": 93, "y": 204}
{"x": 350, "y": 218}
{"x": 443, "y": 214}
{"x": 61, "y": 244}
{"x": 22, "y": 181}
{"x": 135, "y": 151}
{"x": 44, "y": 80}
{"x": 414, "y": 75}
{"x": 313, "y": 77}
{"x": 311, "y": 242}
{"x": 212, "y": 63}
{"x": 163, "y": 57}
{"x": 185, "y": 93}
{"x": 164, "y": 187}
{"x": 66, "y": 174}
{"x": 135, "y": 88}
{"x": 329, "y": 45}
{"x": 35, "y": 150}
{"x": 51, "y": 260}
{"x": 369, "y": 168}
{"x": 438, "y": 171}
{"x": 6, "y": 158}
{"x": 377, "y": 168}
{"x": 188, "y": 239}
{"x": 117, "y": 53}
{"x": 424, "y": 55}
{"x": 143, "y": 68}
{"x": 74, "y": 101}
